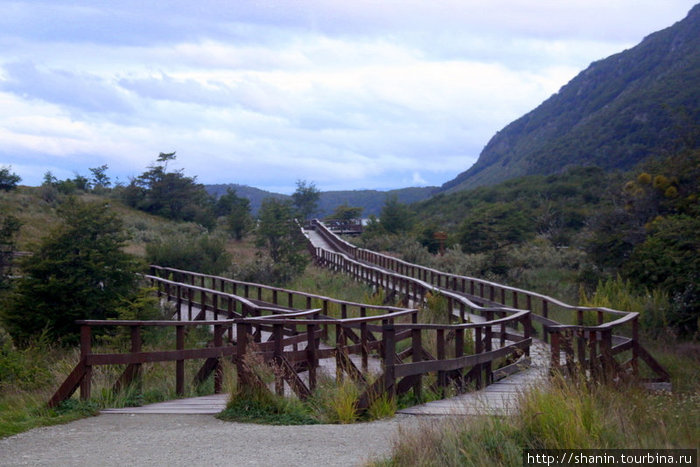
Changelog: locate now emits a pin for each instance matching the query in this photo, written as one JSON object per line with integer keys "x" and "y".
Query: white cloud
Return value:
{"x": 347, "y": 94}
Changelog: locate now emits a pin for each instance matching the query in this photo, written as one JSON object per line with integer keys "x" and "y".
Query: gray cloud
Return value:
{"x": 347, "y": 94}
{"x": 76, "y": 90}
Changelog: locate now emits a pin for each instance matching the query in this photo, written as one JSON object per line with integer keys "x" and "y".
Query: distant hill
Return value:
{"x": 254, "y": 195}
{"x": 638, "y": 103}
{"x": 371, "y": 201}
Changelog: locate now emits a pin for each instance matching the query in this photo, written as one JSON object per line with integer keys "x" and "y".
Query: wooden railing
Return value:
{"x": 81, "y": 376}
{"x": 391, "y": 334}
{"x": 575, "y": 331}
{"x": 353, "y": 314}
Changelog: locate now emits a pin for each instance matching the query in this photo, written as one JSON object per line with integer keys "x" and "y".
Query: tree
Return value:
{"x": 100, "y": 179}
{"x": 8, "y": 233}
{"x": 345, "y": 215}
{"x": 668, "y": 259}
{"x": 494, "y": 226}
{"x": 305, "y": 198}
{"x": 278, "y": 233}
{"x": 170, "y": 194}
{"x": 395, "y": 216}
{"x": 236, "y": 211}
{"x": 79, "y": 271}
{"x": 8, "y": 180}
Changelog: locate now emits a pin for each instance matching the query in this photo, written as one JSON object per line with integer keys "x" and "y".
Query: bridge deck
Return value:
{"x": 499, "y": 398}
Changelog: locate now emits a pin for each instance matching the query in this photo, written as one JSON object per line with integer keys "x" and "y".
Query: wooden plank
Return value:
{"x": 70, "y": 385}
{"x": 159, "y": 356}
{"x": 406, "y": 369}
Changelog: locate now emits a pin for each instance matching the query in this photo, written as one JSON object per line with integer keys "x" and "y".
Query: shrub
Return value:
{"x": 78, "y": 272}
{"x": 203, "y": 253}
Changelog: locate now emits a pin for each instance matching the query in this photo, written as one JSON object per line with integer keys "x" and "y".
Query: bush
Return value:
{"x": 78, "y": 272}
{"x": 653, "y": 306}
{"x": 203, "y": 253}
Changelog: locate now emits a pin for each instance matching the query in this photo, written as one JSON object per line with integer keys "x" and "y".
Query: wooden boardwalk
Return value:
{"x": 499, "y": 398}
{"x": 204, "y": 405}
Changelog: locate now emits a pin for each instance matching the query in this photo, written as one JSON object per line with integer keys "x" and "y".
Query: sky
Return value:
{"x": 343, "y": 94}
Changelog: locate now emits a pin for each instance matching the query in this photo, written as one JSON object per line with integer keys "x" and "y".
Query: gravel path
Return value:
{"x": 194, "y": 440}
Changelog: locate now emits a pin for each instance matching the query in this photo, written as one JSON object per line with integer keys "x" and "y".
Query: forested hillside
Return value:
{"x": 371, "y": 201}
{"x": 638, "y": 103}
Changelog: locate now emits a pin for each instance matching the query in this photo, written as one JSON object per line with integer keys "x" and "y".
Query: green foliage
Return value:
{"x": 78, "y": 272}
{"x": 305, "y": 198}
{"x": 203, "y": 252}
{"x": 100, "y": 179}
{"x": 395, "y": 216}
{"x": 170, "y": 194}
{"x": 619, "y": 294}
{"x": 345, "y": 215}
{"x": 669, "y": 258}
{"x": 278, "y": 233}
{"x": 8, "y": 232}
{"x": 236, "y": 213}
{"x": 560, "y": 417}
{"x": 8, "y": 179}
{"x": 494, "y": 226}
{"x": 26, "y": 368}
{"x": 336, "y": 403}
{"x": 285, "y": 412}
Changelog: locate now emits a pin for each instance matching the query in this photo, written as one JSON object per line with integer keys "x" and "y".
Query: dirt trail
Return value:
{"x": 194, "y": 440}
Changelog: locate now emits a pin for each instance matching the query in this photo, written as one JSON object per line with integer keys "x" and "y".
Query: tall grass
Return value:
{"x": 565, "y": 416}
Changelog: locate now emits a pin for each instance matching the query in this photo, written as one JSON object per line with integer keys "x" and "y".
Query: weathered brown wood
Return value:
{"x": 417, "y": 355}
{"x": 406, "y": 369}
{"x": 133, "y": 370}
{"x": 180, "y": 363}
{"x": 389, "y": 355}
{"x": 70, "y": 385}
{"x": 85, "y": 353}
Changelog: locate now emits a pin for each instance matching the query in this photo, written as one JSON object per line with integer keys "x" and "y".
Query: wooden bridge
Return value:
{"x": 486, "y": 335}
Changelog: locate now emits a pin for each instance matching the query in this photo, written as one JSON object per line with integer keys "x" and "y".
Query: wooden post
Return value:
{"x": 219, "y": 370}
{"x": 478, "y": 348}
{"x": 389, "y": 357}
{"x": 635, "y": 346}
{"x": 488, "y": 347}
{"x": 179, "y": 302}
{"x": 311, "y": 354}
{"x": 459, "y": 351}
{"x": 278, "y": 336}
{"x": 441, "y": 375}
{"x": 190, "y": 300}
{"x": 545, "y": 313}
{"x": 555, "y": 350}
{"x": 135, "y": 348}
{"x": 180, "y": 363}
{"x": 339, "y": 349}
{"x": 241, "y": 349}
{"x": 85, "y": 350}
{"x": 527, "y": 330}
{"x": 417, "y": 357}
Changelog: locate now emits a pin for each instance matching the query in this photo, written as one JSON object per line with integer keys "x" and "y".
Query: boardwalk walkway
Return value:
{"x": 499, "y": 398}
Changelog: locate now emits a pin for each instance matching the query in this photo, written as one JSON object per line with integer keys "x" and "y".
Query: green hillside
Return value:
{"x": 642, "y": 102}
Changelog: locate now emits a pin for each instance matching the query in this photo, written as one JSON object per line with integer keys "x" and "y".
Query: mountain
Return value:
{"x": 254, "y": 195}
{"x": 641, "y": 102}
{"x": 371, "y": 201}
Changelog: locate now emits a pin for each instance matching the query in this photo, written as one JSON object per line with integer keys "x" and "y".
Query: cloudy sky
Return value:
{"x": 344, "y": 94}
